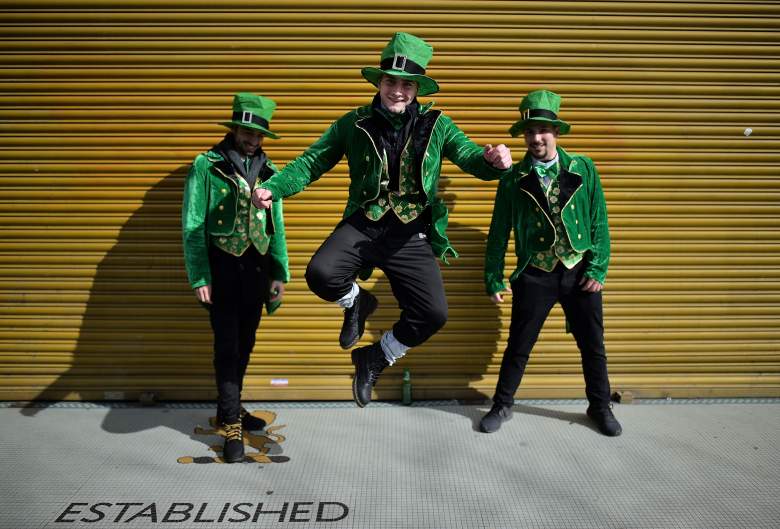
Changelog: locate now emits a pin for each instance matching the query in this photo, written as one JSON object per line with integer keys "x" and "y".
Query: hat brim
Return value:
{"x": 425, "y": 85}
{"x": 519, "y": 126}
{"x": 253, "y": 126}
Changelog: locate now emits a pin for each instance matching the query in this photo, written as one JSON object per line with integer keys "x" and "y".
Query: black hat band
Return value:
{"x": 249, "y": 117}
{"x": 532, "y": 113}
{"x": 401, "y": 62}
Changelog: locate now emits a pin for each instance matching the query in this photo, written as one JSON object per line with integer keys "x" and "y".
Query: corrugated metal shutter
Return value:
{"x": 103, "y": 106}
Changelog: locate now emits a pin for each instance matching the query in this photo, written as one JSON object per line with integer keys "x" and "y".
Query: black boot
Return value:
{"x": 492, "y": 420}
{"x": 369, "y": 363}
{"x": 355, "y": 318}
{"x": 250, "y": 422}
{"x": 233, "y": 450}
{"x": 605, "y": 420}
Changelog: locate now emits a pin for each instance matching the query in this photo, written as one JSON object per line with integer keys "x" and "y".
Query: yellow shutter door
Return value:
{"x": 102, "y": 107}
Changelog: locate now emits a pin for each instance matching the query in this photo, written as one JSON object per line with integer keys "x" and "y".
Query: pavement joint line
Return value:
{"x": 384, "y": 404}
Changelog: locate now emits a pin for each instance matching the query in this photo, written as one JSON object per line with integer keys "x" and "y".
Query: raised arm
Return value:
{"x": 315, "y": 161}
{"x": 489, "y": 163}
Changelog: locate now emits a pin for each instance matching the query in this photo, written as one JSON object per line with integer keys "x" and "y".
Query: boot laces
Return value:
{"x": 233, "y": 432}
{"x": 376, "y": 366}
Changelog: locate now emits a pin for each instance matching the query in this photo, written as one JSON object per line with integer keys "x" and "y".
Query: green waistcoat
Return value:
{"x": 405, "y": 202}
{"x": 561, "y": 249}
{"x": 249, "y": 225}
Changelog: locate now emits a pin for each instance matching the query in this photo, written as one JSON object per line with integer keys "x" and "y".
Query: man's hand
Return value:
{"x": 277, "y": 290}
{"x": 261, "y": 198}
{"x": 498, "y": 298}
{"x": 590, "y": 284}
{"x": 204, "y": 294}
{"x": 499, "y": 156}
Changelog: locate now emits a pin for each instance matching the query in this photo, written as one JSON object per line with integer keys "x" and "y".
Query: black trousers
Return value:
{"x": 402, "y": 252}
{"x": 534, "y": 294}
{"x": 239, "y": 288}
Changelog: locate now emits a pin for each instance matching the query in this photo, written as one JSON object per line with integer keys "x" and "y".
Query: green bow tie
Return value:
{"x": 542, "y": 170}
{"x": 545, "y": 173}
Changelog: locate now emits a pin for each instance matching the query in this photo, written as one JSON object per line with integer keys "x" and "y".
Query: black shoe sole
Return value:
{"x": 497, "y": 428}
{"x": 485, "y": 430}
{"x": 372, "y": 307}
{"x": 233, "y": 460}
{"x": 354, "y": 385}
{"x": 604, "y": 431}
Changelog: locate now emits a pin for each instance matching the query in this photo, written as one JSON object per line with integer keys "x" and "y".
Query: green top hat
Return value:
{"x": 252, "y": 112}
{"x": 405, "y": 56}
{"x": 540, "y": 106}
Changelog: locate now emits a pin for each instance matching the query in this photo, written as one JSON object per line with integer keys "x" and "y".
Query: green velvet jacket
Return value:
{"x": 521, "y": 205}
{"x": 209, "y": 210}
{"x": 356, "y": 135}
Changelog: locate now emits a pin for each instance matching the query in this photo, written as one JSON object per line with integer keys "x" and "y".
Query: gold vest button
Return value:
{"x": 221, "y": 207}
{"x": 219, "y": 222}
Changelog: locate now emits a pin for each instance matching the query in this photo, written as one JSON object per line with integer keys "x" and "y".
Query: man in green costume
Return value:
{"x": 554, "y": 203}
{"x": 235, "y": 254}
{"x": 393, "y": 219}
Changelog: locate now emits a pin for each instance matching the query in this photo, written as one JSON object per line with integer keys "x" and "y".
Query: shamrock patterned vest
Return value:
{"x": 561, "y": 250}
{"x": 249, "y": 227}
{"x": 405, "y": 202}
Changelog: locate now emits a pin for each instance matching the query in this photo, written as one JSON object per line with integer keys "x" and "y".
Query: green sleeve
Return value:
{"x": 280, "y": 270}
{"x": 467, "y": 155}
{"x": 193, "y": 223}
{"x": 315, "y": 161}
{"x": 598, "y": 259}
{"x": 279, "y": 263}
{"x": 498, "y": 239}
{"x": 438, "y": 238}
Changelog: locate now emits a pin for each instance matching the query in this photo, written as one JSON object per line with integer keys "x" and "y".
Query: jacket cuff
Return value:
{"x": 601, "y": 278}
{"x": 276, "y": 195}
{"x": 494, "y": 286}
{"x": 496, "y": 171}
{"x": 279, "y": 273}
{"x": 448, "y": 250}
{"x": 199, "y": 283}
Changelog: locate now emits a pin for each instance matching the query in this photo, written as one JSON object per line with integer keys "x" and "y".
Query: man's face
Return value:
{"x": 540, "y": 138}
{"x": 247, "y": 140}
{"x": 396, "y": 93}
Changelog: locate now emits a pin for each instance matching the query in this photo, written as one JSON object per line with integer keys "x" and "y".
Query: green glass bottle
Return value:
{"x": 406, "y": 388}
